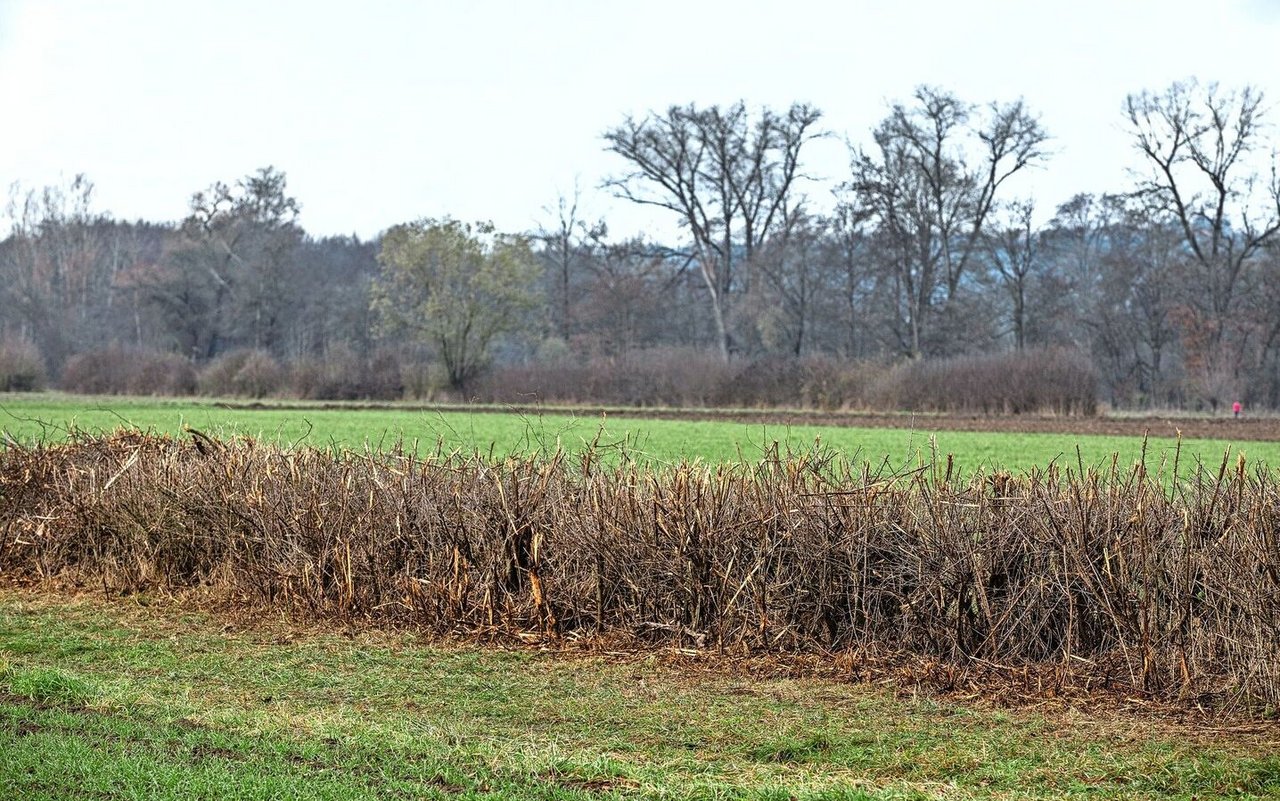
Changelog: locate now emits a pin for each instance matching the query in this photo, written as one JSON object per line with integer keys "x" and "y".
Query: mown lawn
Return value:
{"x": 661, "y": 441}
{"x": 121, "y": 700}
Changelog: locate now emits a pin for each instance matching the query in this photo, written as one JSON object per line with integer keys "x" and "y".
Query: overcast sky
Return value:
{"x": 381, "y": 112}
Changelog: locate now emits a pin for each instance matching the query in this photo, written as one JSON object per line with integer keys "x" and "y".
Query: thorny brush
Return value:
{"x": 1090, "y": 577}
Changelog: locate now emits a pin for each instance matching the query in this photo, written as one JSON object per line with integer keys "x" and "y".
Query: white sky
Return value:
{"x": 382, "y": 112}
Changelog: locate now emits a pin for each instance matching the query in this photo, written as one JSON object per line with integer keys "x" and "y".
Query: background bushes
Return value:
{"x": 21, "y": 367}
{"x": 122, "y": 371}
{"x": 243, "y": 373}
{"x": 1047, "y": 380}
{"x": 683, "y": 377}
{"x": 1052, "y": 381}
{"x": 1041, "y": 381}
{"x": 246, "y": 373}
{"x": 342, "y": 375}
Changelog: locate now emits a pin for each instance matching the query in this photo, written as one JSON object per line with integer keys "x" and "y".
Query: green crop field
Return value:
{"x": 658, "y": 441}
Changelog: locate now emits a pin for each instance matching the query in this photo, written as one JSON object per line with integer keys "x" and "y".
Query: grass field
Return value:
{"x": 48, "y": 416}
{"x": 143, "y": 698}
{"x": 121, "y": 700}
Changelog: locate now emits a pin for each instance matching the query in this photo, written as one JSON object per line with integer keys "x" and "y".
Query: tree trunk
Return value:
{"x": 722, "y": 332}
{"x": 1019, "y": 317}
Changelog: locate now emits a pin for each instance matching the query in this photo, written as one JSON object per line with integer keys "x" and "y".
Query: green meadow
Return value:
{"x": 146, "y": 697}
{"x": 124, "y": 700}
{"x": 51, "y": 417}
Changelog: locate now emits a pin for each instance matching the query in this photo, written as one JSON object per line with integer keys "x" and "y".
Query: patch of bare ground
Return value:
{"x": 1255, "y": 429}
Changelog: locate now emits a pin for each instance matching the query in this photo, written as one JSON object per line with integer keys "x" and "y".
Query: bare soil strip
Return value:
{"x": 1254, "y": 429}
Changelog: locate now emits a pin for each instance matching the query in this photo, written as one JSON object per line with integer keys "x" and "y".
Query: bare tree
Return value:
{"x": 727, "y": 177}
{"x": 850, "y": 248}
{"x": 793, "y": 270}
{"x": 566, "y": 244}
{"x": 633, "y": 296}
{"x": 927, "y": 188}
{"x": 59, "y": 268}
{"x": 1197, "y": 142}
{"x": 1078, "y": 240}
{"x": 1266, "y": 312}
{"x": 1014, "y": 253}
{"x": 1144, "y": 275}
{"x": 245, "y": 237}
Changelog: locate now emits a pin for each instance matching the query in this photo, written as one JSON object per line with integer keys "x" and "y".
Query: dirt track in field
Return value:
{"x": 1264, "y": 429}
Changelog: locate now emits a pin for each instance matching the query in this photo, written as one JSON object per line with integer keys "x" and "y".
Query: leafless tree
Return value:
{"x": 1199, "y": 145}
{"x": 928, "y": 186}
{"x": 59, "y": 267}
{"x": 566, "y": 245}
{"x": 851, "y": 250}
{"x": 728, "y": 178}
{"x": 1013, "y": 250}
{"x": 793, "y": 271}
{"x": 245, "y": 237}
{"x": 633, "y": 297}
{"x": 1145, "y": 278}
{"x": 1265, "y": 303}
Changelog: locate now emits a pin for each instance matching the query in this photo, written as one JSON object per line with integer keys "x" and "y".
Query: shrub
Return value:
{"x": 381, "y": 377}
{"x": 1048, "y": 380}
{"x": 245, "y": 373}
{"x": 685, "y": 377}
{"x": 342, "y": 375}
{"x": 421, "y": 380}
{"x": 259, "y": 376}
{"x": 21, "y": 367}
{"x": 116, "y": 370}
{"x": 830, "y": 383}
{"x": 218, "y": 376}
{"x": 655, "y": 377}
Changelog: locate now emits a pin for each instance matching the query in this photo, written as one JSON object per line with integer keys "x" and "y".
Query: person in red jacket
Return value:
{"x": 1236, "y": 408}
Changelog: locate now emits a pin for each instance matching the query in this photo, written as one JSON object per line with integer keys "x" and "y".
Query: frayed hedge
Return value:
{"x": 1040, "y": 381}
{"x": 1111, "y": 577}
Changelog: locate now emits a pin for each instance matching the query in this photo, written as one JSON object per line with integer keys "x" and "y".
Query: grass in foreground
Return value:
{"x": 122, "y": 701}
{"x": 48, "y": 416}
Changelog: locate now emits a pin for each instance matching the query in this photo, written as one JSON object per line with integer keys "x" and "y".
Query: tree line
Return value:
{"x": 1168, "y": 288}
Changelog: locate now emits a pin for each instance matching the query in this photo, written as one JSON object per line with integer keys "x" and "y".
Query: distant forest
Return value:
{"x": 931, "y": 284}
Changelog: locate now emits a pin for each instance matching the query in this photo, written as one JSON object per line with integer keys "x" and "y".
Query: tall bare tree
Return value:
{"x": 793, "y": 270}
{"x": 1266, "y": 312}
{"x": 59, "y": 268}
{"x": 728, "y": 178}
{"x": 633, "y": 296}
{"x": 567, "y": 243}
{"x": 245, "y": 237}
{"x": 928, "y": 186}
{"x": 1013, "y": 249}
{"x": 1201, "y": 146}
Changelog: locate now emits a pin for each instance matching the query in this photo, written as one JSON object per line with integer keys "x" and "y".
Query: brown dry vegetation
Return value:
{"x": 1102, "y": 581}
